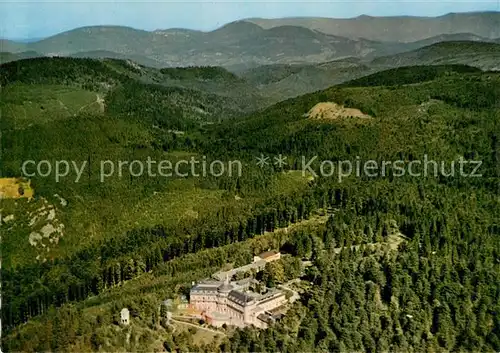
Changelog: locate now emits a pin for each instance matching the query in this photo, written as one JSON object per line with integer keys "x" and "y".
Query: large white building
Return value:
{"x": 233, "y": 303}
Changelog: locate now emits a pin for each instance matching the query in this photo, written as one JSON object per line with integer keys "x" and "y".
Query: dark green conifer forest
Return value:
{"x": 135, "y": 241}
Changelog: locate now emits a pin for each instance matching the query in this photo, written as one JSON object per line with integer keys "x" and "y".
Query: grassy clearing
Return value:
{"x": 25, "y": 104}
{"x": 13, "y": 188}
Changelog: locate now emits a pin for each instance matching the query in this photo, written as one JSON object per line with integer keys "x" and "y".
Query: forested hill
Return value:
{"x": 133, "y": 242}
{"x": 486, "y": 55}
{"x": 206, "y": 93}
{"x": 410, "y": 74}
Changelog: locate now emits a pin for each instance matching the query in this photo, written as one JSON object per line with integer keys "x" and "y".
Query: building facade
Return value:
{"x": 232, "y": 302}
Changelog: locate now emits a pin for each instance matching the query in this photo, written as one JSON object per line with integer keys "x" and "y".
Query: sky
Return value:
{"x": 37, "y": 19}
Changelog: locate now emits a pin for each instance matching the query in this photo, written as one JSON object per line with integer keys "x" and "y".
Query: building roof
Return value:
{"x": 270, "y": 296}
{"x": 206, "y": 287}
{"x": 214, "y": 286}
{"x": 240, "y": 297}
{"x": 267, "y": 254}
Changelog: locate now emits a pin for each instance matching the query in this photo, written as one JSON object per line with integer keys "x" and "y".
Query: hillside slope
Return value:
{"x": 6, "y": 57}
{"x": 131, "y": 242}
{"x": 286, "y": 81}
{"x": 483, "y": 55}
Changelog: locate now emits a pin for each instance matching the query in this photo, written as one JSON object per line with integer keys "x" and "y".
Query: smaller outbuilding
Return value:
{"x": 125, "y": 316}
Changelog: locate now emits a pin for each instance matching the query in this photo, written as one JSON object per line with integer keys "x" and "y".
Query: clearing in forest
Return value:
{"x": 14, "y": 188}
{"x": 333, "y": 111}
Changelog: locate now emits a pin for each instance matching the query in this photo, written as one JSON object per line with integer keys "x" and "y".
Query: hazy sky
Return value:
{"x": 35, "y": 19}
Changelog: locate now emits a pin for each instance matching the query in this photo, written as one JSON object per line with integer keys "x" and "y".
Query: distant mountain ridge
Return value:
{"x": 250, "y": 43}
{"x": 403, "y": 29}
{"x": 235, "y": 44}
